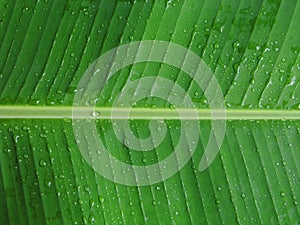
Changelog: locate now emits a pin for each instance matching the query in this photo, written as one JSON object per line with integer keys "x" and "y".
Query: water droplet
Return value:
{"x": 282, "y": 194}
{"x": 216, "y": 46}
{"x": 101, "y": 199}
{"x": 47, "y": 183}
{"x": 25, "y": 128}
{"x": 91, "y": 220}
{"x": 17, "y": 138}
{"x": 66, "y": 120}
{"x": 236, "y": 44}
{"x": 71, "y": 90}
{"x": 95, "y": 114}
{"x": 91, "y": 204}
{"x": 172, "y": 106}
{"x": 126, "y": 142}
{"x": 295, "y": 202}
{"x": 158, "y": 129}
{"x": 42, "y": 163}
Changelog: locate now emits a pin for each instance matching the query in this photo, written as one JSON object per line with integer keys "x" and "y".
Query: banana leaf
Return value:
{"x": 252, "y": 49}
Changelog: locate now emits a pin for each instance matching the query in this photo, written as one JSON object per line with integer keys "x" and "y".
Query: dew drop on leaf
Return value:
{"x": 42, "y": 163}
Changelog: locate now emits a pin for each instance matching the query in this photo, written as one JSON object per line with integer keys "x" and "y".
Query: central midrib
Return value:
{"x": 57, "y": 112}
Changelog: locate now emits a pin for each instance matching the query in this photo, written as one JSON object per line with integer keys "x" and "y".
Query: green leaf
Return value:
{"x": 253, "y": 50}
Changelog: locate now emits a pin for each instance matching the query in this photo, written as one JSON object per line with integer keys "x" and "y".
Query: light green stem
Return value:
{"x": 57, "y": 112}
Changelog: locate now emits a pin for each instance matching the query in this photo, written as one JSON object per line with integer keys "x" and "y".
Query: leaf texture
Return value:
{"x": 251, "y": 46}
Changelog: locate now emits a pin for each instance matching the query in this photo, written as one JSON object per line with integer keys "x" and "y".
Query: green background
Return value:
{"x": 252, "y": 46}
